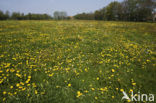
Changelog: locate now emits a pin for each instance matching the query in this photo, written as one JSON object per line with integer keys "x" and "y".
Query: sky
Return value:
{"x": 72, "y": 7}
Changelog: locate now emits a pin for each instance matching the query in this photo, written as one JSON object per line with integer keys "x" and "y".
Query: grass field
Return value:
{"x": 76, "y": 61}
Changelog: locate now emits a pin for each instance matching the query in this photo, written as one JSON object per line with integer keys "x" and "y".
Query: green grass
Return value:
{"x": 75, "y": 61}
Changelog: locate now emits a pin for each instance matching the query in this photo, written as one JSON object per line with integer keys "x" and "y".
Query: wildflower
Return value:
{"x": 100, "y": 62}
{"x": 42, "y": 93}
{"x": 34, "y": 85}
{"x": 7, "y": 65}
{"x": 20, "y": 87}
{"x": 11, "y": 87}
{"x": 113, "y": 97}
{"x": 10, "y": 93}
{"x": 69, "y": 85}
{"x": 100, "y": 71}
{"x": 78, "y": 94}
{"x": 1, "y": 71}
{"x": 121, "y": 90}
{"x": 93, "y": 89}
{"x": 28, "y": 95}
{"x": 12, "y": 70}
{"x": 131, "y": 90}
{"x": 27, "y": 81}
{"x": 4, "y": 99}
{"x": 21, "y": 83}
{"x": 17, "y": 84}
{"x": 1, "y": 81}
{"x": 4, "y": 92}
{"x": 86, "y": 69}
{"x": 23, "y": 89}
{"x": 113, "y": 70}
{"x": 18, "y": 75}
{"x": 117, "y": 88}
{"x": 14, "y": 59}
{"x": 57, "y": 86}
{"x": 112, "y": 75}
{"x": 105, "y": 89}
{"x": 101, "y": 89}
{"x": 133, "y": 84}
{"x": 29, "y": 77}
{"x": 36, "y": 92}
{"x": 86, "y": 91}
{"x": 28, "y": 84}
{"x": 27, "y": 62}
{"x": 97, "y": 78}
{"x": 50, "y": 75}
{"x": 96, "y": 98}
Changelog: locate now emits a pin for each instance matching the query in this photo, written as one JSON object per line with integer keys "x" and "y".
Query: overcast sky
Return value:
{"x": 72, "y": 7}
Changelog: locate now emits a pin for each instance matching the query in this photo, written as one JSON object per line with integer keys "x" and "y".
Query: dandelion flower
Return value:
{"x": 69, "y": 85}
{"x": 78, "y": 94}
{"x": 121, "y": 90}
{"x": 113, "y": 70}
{"x": 4, "y": 92}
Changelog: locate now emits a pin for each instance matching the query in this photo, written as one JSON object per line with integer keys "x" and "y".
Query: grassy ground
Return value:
{"x": 75, "y": 61}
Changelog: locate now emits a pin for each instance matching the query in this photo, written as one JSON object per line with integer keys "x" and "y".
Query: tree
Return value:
{"x": 60, "y": 15}
{"x": 98, "y": 15}
{"x": 138, "y": 10}
{"x": 113, "y": 11}
{"x": 1, "y": 15}
{"x": 85, "y": 16}
{"x": 7, "y": 14}
{"x": 146, "y": 9}
{"x": 4, "y": 16}
{"x": 16, "y": 16}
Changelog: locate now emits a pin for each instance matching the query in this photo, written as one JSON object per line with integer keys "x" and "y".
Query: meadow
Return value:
{"x": 76, "y": 61}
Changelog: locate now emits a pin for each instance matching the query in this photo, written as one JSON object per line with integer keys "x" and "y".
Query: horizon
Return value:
{"x": 50, "y": 6}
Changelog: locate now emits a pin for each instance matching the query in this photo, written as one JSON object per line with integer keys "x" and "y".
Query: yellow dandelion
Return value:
{"x": 121, "y": 90}
{"x": 42, "y": 93}
{"x": 4, "y": 99}
{"x": 17, "y": 84}
{"x": 34, "y": 85}
{"x": 29, "y": 77}
{"x": 36, "y": 92}
{"x": 131, "y": 90}
{"x": 133, "y": 84}
{"x": 86, "y": 91}
{"x": 11, "y": 87}
{"x": 1, "y": 71}
{"x": 96, "y": 98}
{"x": 78, "y": 94}
{"x": 69, "y": 85}
{"x": 93, "y": 89}
{"x": 4, "y": 92}
{"x": 97, "y": 78}
{"x": 28, "y": 95}
{"x": 113, "y": 70}
{"x": 86, "y": 69}
{"x": 50, "y": 75}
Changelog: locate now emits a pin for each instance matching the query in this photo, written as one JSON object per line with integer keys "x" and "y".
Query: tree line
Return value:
{"x": 22, "y": 16}
{"x": 128, "y": 10}
{"x": 58, "y": 15}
